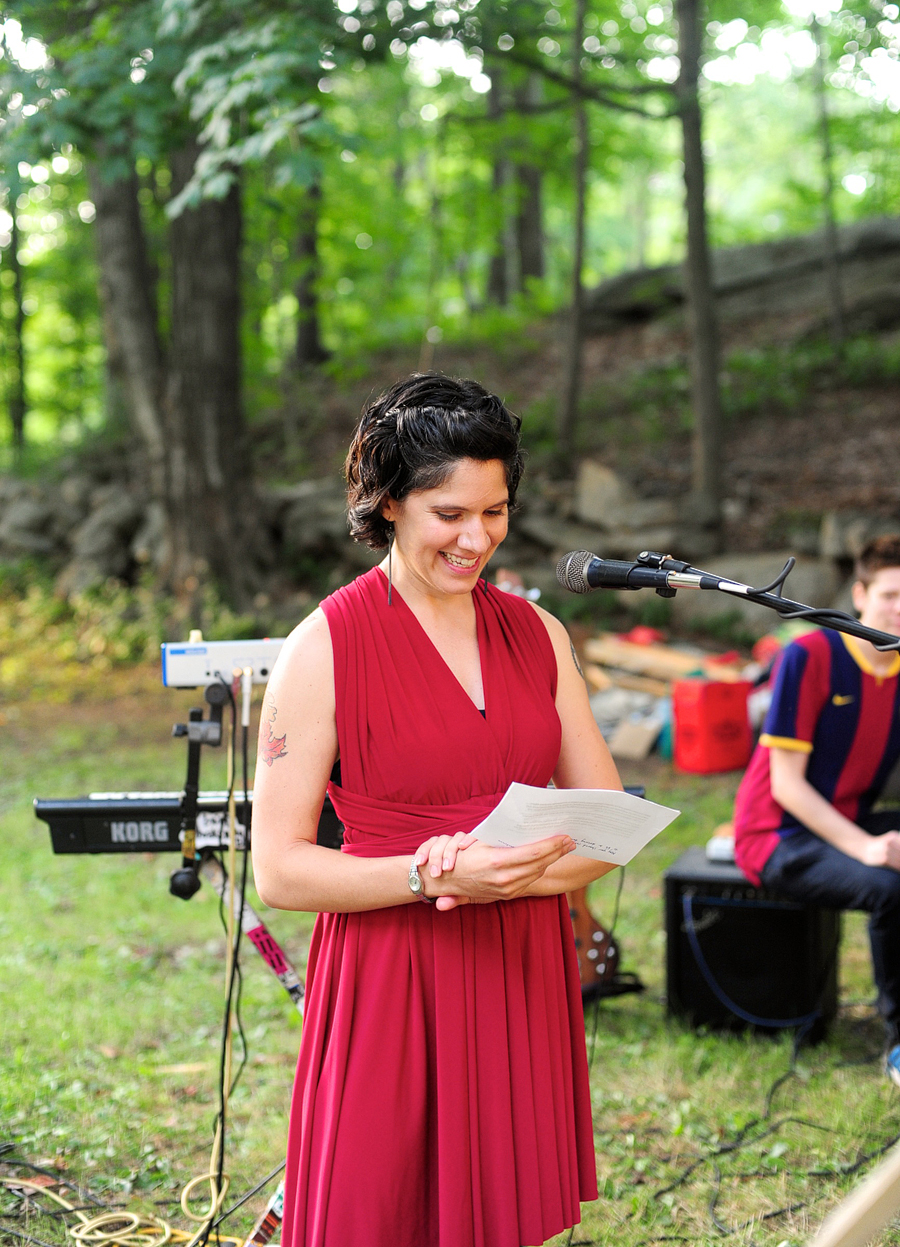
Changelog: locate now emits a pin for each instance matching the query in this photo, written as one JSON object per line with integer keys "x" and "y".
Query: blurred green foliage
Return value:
{"x": 386, "y": 107}
{"x": 66, "y": 647}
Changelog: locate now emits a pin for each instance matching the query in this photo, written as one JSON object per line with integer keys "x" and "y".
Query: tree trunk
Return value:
{"x": 529, "y": 208}
{"x": 498, "y": 269}
{"x": 701, "y": 304}
{"x": 128, "y": 296}
{"x": 17, "y": 398}
{"x": 832, "y": 245}
{"x": 641, "y": 215}
{"x": 529, "y": 224}
{"x": 568, "y": 411}
{"x": 310, "y": 349}
{"x": 208, "y": 486}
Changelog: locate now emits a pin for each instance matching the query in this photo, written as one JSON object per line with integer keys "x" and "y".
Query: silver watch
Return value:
{"x": 416, "y": 886}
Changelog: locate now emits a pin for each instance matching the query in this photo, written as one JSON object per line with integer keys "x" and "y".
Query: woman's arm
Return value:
{"x": 794, "y": 793}
{"x": 297, "y": 749}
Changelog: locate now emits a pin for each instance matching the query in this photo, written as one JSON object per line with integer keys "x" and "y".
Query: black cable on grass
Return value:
{"x": 666, "y": 1238}
{"x": 741, "y": 1140}
{"x": 745, "y": 1138}
{"x": 259, "y": 1186}
{"x": 735, "y": 1145}
{"x": 28, "y": 1238}
{"x": 845, "y": 1170}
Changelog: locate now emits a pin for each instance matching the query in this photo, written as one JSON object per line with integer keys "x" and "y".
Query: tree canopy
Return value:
{"x": 394, "y": 171}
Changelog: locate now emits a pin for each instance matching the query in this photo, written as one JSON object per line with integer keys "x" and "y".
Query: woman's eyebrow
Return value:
{"x": 452, "y": 506}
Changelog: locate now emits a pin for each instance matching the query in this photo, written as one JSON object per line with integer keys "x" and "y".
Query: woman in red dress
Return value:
{"x": 441, "y": 1097}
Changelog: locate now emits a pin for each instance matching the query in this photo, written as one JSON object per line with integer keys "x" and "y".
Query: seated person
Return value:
{"x": 804, "y": 824}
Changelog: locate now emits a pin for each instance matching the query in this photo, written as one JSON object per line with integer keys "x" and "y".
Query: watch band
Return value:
{"x": 416, "y": 886}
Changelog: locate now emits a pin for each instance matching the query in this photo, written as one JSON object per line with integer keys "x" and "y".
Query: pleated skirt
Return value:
{"x": 441, "y": 1096}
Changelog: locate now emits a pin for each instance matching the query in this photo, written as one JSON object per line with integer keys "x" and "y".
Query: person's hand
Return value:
{"x": 482, "y": 873}
{"x": 883, "y": 850}
{"x": 439, "y": 853}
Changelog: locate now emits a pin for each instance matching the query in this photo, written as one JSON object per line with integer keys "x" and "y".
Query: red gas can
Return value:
{"x": 712, "y": 730}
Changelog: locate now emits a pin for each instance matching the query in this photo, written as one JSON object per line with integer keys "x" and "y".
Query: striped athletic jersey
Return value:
{"x": 827, "y": 702}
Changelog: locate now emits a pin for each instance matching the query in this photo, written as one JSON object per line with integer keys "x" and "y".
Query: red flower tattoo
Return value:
{"x": 273, "y": 748}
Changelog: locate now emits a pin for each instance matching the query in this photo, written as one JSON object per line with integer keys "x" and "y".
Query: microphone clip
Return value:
{"x": 662, "y": 562}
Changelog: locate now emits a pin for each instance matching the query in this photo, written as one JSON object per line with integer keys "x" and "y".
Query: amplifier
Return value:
{"x": 740, "y": 956}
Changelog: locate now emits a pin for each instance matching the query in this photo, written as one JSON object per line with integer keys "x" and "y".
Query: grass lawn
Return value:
{"x": 112, "y": 997}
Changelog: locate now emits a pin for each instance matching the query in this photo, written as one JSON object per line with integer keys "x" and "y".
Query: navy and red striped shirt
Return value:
{"x": 827, "y": 701}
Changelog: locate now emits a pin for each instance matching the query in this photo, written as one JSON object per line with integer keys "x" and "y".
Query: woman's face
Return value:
{"x": 443, "y": 537}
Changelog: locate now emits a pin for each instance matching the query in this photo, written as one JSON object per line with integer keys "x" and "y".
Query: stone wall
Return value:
{"x": 88, "y": 531}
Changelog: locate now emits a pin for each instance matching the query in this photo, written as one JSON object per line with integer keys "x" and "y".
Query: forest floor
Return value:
{"x": 112, "y": 1015}
{"x": 804, "y": 433}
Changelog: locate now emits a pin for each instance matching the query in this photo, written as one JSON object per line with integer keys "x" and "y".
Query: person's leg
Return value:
{"x": 884, "y": 937}
{"x": 807, "y": 868}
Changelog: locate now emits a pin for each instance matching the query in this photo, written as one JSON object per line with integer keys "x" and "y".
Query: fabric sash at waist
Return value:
{"x": 374, "y": 828}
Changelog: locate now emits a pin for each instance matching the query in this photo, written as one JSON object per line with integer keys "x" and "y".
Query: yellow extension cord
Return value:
{"x": 113, "y": 1229}
{"x": 130, "y": 1229}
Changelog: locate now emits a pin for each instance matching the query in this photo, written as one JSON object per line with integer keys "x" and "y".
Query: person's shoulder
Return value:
{"x": 307, "y": 645}
{"x": 529, "y": 614}
{"x": 809, "y": 642}
{"x": 555, "y": 628}
{"x": 815, "y": 645}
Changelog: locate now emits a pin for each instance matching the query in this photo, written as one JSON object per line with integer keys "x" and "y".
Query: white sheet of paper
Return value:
{"x": 605, "y": 824}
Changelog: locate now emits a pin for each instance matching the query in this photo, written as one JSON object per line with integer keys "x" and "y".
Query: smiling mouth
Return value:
{"x": 455, "y": 561}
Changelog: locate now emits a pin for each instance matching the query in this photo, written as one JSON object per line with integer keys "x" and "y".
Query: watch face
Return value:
{"x": 415, "y": 881}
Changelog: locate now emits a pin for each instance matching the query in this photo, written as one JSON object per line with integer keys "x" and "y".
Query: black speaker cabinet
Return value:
{"x": 740, "y": 956}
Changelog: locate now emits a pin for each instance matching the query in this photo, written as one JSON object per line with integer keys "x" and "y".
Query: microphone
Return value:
{"x": 580, "y": 571}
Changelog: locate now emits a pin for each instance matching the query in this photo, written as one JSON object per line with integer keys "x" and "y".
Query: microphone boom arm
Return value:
{"x": 681, "y": 575}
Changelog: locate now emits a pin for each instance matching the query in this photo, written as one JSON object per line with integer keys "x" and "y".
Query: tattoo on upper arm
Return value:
{"x": 271, "y": 747}
{"x": 575, "y": 660}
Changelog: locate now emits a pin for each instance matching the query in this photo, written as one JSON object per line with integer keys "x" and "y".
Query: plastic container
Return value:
{"x": 712, "y": 727}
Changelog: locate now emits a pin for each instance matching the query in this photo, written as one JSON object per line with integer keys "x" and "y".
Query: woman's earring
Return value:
{"x": 390, "y": 573}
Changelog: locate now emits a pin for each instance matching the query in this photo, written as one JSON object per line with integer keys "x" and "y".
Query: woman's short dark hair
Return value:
{"x": 409, "y": 439}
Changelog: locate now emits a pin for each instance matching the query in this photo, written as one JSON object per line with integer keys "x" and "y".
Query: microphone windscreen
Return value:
{"x": 571, "y": 571}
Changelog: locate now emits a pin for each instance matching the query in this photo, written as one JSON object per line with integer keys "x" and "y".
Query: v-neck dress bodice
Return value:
{"x": 441, "y": 1097}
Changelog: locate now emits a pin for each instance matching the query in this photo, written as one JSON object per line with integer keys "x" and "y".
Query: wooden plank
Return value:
{"x": 600, "y": 679}
{"x": 597, "y": 678}
{"x": 640, "y": 683}
{"x": 634, "y": 741}
{"x": 660, "y": 662}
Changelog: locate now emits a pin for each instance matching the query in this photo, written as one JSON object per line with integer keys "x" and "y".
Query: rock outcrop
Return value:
{"x": 784, "y": 278}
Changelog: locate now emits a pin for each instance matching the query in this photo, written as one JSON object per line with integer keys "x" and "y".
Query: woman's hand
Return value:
{"x": 439, "y": 853}
{"x": 479, "y": 873}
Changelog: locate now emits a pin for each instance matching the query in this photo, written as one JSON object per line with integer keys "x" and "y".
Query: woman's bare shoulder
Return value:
{"x": 306, "y": 649}
{"x": 556, "y": 629}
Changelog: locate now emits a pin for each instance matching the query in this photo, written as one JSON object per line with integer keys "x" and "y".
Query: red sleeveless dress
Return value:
{"x": 441, "y": 1097}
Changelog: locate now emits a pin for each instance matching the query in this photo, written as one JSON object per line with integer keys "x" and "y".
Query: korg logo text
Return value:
{"x": 140, "y": 833}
